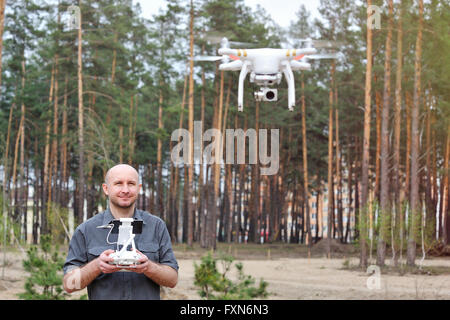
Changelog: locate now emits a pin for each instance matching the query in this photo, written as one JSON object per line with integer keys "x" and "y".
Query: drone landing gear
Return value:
{"x": 242, "y": 76}
{"x": 287, "y": 70}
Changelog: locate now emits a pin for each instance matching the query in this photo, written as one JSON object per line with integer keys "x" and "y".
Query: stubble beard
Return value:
{"x": 118, "y": 205}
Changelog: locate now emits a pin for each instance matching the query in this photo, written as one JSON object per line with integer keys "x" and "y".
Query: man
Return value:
{"x": 87, "y": 262}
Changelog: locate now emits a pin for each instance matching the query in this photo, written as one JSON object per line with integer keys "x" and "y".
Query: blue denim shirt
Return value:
{"x": 88, "y": 242}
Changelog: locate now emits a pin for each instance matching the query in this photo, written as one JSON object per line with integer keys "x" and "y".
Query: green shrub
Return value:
{"x": 216, "y": 286}
{"x": 45, "y": 268}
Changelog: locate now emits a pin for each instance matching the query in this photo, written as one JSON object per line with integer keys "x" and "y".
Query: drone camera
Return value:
{"x": 266, "y": 94}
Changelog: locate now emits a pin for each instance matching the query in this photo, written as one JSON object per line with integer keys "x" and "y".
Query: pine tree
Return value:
{"x": 45, "y": 279}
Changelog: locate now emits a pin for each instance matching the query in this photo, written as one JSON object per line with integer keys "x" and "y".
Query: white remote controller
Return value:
{"x": 125, "y": 258}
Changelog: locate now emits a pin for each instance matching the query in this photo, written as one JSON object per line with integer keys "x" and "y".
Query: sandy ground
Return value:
{"x": 288, "y": 278}
{"x": 320, "y": 278}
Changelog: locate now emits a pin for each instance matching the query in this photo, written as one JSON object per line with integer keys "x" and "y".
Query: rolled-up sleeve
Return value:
{"x": 77, "y": 255}
{"x": 166, "y": 255}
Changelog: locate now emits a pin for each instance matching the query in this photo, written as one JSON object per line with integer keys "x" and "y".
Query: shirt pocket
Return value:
{"x": 151, "y": 250}
{"x": 95, "y": 252}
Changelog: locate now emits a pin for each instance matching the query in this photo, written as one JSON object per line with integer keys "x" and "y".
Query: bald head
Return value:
{"x": 121, "y": 169}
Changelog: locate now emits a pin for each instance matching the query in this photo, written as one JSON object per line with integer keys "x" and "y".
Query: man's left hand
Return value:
{"x": 161, "y": 274}
{"x": 144, "y": 264}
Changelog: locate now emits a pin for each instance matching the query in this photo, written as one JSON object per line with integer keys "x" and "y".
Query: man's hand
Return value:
{"x": 103, "y": 262}
{"x": 159, "y": 273}
{"x": 79, "y": 278}
{"x": 144, "y": 264}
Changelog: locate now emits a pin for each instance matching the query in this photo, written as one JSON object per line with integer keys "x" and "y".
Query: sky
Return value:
{"x": 282, "y": 11}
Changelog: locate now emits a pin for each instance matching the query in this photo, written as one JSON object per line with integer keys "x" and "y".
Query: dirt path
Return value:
{"x": 289, "y": 279}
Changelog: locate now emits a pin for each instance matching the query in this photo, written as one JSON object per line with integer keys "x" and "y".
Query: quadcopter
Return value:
{"x": 266, "y": 67}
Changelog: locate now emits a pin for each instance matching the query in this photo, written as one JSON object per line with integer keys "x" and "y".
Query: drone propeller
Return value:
{"x": 217, "y": 37}
{"x": 224, "y": 43}
{"x": 219, "y": 40}
{"x": 208, "y": 58}
{"x": 323, "y": 56}
{"x": 320, "y": 43}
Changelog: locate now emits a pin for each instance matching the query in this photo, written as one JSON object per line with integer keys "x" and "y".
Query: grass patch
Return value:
{"x": 401, "y": 269}
{"x": 254, "y": 251}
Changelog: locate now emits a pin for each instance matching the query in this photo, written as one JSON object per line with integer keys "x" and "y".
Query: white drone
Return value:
{"x": 266, "y": 66}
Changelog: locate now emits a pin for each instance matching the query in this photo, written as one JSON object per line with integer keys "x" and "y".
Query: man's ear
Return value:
{"x": 105, "y": 188}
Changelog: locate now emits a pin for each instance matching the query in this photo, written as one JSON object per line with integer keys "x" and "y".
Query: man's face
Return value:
{"x": 122, "y": 186}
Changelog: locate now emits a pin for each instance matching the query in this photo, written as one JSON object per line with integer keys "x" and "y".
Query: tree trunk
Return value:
{"x": 201, "y": 199}
{"x": 379, "y": 110}
{"x": 430, "y": 222}
{"x": 191, "y": 208}
{"x": 366, "y": 147}
{"x": 80, "y": 196}
{"x": 185, "y": 210}
{"x": 22, "y": 194}
{"x": 65, "y": 187}
{"x": 44, "y": 225}
{"x": 293, "y": 213}
{"x": 14, "y": 170}
{"x": 215, "y": 176}
{"x": 414, "y": 196}
{"x": 54, "y": 149}
{"x": 25, "y": 203}
{"x": 285, "y": 191}
{"x": 338, "y": 176}
{"x": 357, "y": 187}
{"x": 241, "y": 230}
{"x": 159, "y": 193}
{"x": 408, "y": 108}
{"x": 151, "y": 186}
{"x": 397, "y": 131}
{"x": 236, "y": 212}
{"x": 434, "y": 169}
{"x": 330, "y": 165}
{"x": 305, "y": 170}
{"x": 176, "y": 179}
{"x": 256, "y": 190}
{"x": 5, "y": 210}
{"x": 229, "y": 170}
{"x": 8, "y": 137}
{"x": 350, "y": 162}
{"x": 90, "y": 189}
{"x": 385, "y": 192}
{"x": 319, "y": 220}
{"x": 36, "y": 197}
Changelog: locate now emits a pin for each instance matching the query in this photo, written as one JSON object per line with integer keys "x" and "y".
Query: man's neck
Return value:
{"x": 118, "y": 212}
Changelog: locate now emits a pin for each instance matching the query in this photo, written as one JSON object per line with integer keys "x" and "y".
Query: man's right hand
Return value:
{"x": 79, "y": 278}
{"x": 103, "y": 262}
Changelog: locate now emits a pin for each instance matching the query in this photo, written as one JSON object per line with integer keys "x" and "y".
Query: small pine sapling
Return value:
{"x": 45, "y": 279}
